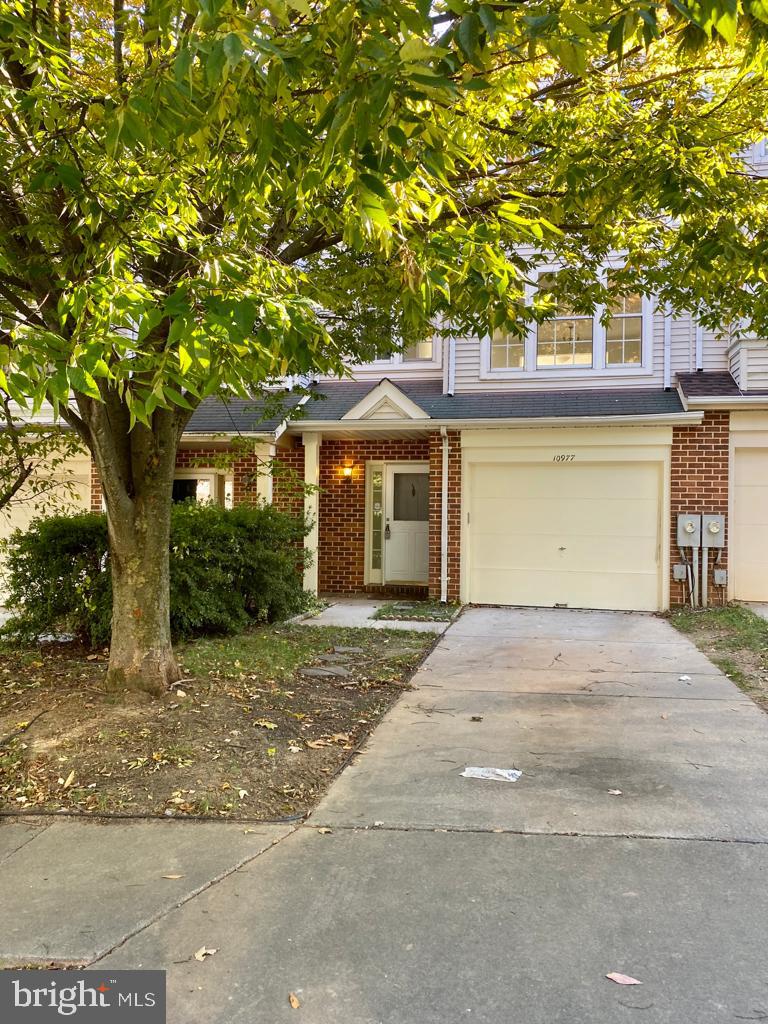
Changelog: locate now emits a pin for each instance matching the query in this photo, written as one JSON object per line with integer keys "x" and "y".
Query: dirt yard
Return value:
{"x": 736, "y": 640}
{"x": 257, "y": 729}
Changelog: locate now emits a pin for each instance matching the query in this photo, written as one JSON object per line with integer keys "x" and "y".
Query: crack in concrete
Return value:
{"x": 209, "y": 884}
{"x": 38, "y": 832}
{"x": 474, "y": 830}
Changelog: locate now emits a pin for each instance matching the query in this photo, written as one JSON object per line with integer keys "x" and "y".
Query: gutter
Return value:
{"x": 226, "y": 435}
{"x": 366, "y": 426}
{"x": 737, "y": 402}
{"x": 444, "y": 519}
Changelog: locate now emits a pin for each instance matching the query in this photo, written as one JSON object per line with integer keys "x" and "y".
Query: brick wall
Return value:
{"x": 287, "y": 490}
{"x": 700, "y": 484}
{"x": 244, "y": 469}
{"x": 454, "y": 513}
{"x": 342, "y": 508}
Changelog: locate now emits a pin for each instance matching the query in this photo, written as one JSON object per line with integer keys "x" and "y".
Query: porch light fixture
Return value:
{"x": 347, "y": 469}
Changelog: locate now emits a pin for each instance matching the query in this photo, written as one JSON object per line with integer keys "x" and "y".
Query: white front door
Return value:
{"x": 406, "y": 525}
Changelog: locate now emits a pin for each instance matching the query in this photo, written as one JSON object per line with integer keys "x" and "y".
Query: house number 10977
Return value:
{"x": 563, "y": 458}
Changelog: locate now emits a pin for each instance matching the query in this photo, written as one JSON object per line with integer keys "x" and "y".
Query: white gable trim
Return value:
{"x": 385, "y": 402}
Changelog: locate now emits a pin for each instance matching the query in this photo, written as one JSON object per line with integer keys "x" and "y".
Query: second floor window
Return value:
{"x": 565, "y": 340}
{"x": 624, "y": 333}
{"x": 420, "y": 352}
{"x": 507, "y": 351}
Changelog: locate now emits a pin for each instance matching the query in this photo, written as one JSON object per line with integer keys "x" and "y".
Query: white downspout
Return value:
{"x": 451, "y": 365}
{"x": 667, "y": 348}
{"x": 699, "y": 346}
{"x": 444, "y": 519}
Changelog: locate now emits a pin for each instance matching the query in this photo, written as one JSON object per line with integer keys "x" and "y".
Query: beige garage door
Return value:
{"x": 583, "y": 535}
{"x": 749, "y": 543}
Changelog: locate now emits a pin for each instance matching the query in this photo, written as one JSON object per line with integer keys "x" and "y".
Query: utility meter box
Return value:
{"x": 713, "y": 531}
{"x": 688, "y": 530}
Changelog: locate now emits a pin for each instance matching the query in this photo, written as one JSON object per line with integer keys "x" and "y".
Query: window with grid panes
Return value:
{"x": 624, "y": 331}
{"x": 567, "y": 339}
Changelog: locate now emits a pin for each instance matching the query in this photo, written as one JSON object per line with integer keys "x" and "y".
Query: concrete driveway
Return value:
{"x": 437, "y": 898}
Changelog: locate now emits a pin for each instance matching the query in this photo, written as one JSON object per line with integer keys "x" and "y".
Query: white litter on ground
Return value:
{"x": 492, "y": 774}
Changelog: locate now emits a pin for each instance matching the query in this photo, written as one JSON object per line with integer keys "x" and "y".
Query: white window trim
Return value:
{"x": 598, "y": 368}
{"x": 395, "y": 361}
{"x": 212, "y": 475}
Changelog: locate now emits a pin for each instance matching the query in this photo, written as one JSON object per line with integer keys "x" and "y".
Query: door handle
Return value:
{"x": 387, "y": 532}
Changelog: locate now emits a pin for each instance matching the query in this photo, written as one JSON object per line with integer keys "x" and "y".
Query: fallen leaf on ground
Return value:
{"x": 70, "y": 779}
{"x": 665, "y": 716}
{"x": 325, "y": 831}
{"x": 203, "y": 952}
{"x": 172, "y": 877}
{"x": 622, "y": 979}
{"x": 180, "y": 693}
{"x": 293, "y": 999}
{"x": 614, "y": 792}
{"x": 476, "y": 718}
{"x": 316, "y": 744}
{"x": 265, "y": 723}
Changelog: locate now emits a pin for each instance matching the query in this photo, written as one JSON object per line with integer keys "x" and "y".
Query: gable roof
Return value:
{"x": 386, "y": 401}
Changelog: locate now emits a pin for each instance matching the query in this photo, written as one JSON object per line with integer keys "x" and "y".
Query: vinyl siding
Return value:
{"x": 757, "y": 372}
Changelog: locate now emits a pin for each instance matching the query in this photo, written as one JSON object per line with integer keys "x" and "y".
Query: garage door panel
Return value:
{"x": 585, "y": 535}
{"x": 543, "y": 551}
{"x": 519, "y": 516}
{"x": 548, "y": 481}
{"x": 749, "y": 528}
{"x": 576, "y": 591}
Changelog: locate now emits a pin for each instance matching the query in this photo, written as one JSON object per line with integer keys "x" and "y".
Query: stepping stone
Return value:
{"x": 348, "y": 650}
{"x": 334, "y": 659}
{"x": 327, "y": 672}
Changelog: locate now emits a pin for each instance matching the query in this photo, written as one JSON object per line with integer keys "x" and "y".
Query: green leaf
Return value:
{"x": 185, "y": 359}
{"x": 415, "y": 50}
{"x": 468, "y": 35}
{"x": 375, "y": 185}
{"x": 397, "y": 136}
{"x": 69, "y": 175}
{"x": 80, "y": 380}
{"x": 233, "y": 48}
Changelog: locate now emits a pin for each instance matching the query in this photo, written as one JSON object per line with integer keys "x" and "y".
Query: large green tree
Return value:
{"x": 203, "y": 195}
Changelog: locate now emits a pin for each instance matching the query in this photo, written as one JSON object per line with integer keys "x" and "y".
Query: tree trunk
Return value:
{"x": 141, "y": 655}
{"x": 136, "y": 467}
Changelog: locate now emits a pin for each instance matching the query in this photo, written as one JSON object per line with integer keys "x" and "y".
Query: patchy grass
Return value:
{"x": 246, "y": 734}
{"x": 418, "y": 611}
{"x": 736, "y": 640}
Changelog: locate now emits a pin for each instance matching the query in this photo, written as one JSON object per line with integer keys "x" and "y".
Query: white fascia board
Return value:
{"x": 226, "y": 436}
{"x": 656, "y": 419}
{"x": 723, "y": 402}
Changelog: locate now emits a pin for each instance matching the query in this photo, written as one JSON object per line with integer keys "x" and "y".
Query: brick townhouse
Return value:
{"x": 553, "y": 483}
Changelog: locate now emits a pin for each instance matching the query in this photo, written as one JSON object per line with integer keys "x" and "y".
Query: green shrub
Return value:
{"x": 227, "y": 568}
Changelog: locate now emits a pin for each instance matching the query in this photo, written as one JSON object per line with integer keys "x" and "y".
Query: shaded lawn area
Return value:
{"x": 736, "y": 640}
{"x": 246, "y": 734}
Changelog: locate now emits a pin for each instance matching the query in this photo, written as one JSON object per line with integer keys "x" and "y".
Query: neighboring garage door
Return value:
{"x": 749, "y": 541}
{"x": 580, "y": 534}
